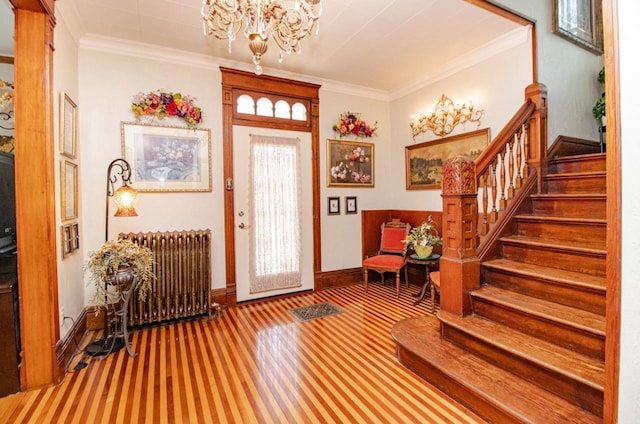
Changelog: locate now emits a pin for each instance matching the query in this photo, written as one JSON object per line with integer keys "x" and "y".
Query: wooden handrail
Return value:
{"x": 506, "y": 134}
{"x": 481, "y": 196}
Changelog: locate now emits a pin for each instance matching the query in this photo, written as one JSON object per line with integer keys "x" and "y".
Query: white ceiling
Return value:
{"x": 381, "y": 44}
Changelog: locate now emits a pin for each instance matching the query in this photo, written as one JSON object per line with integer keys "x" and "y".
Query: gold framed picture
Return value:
{"x": 68, "y": 126}
{"x": 423, "y": 162}
{"x": 350, "y": 164}
{"x": 579, "y": 21}
{"x": 69, "y": 190}
{"x": 167, "y": 159}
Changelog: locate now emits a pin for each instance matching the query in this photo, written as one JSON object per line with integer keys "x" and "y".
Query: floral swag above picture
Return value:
{"x": 162, "y": 104}
{"x": 350, "y": 123}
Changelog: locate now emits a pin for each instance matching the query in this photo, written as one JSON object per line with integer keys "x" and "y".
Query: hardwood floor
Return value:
{"x": 255, "y": 364}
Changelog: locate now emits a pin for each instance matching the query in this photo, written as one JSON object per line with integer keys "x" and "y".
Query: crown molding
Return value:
{"x": 119, "y": 46}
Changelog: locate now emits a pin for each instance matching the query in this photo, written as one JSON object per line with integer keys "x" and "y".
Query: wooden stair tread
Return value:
{"x": 521, "y": 399}
{"x": 588, "y": 248}
{"x": 579, "y": 279}
{"x": 574, "y": 158}
{"x": 572, "y": 175}
{"x": 587, "y": 370}
{"x": 560, "y": 219}
{"x": 587, "y": 196}
{"x": 580, "y": 319}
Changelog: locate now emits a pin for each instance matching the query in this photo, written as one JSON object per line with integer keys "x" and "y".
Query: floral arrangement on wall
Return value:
{"x": 162, "y": 104}
{"x": 6, "y": 96}
{"x": 350, "y": 123}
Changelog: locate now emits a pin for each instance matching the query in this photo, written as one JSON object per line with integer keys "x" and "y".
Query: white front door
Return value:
{"x": 241, "y": 136}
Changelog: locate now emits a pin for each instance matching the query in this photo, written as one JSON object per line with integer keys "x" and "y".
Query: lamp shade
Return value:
{"x": 125, "y": 198}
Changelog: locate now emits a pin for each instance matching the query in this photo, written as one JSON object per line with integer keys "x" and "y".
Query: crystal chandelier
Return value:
{"x": 286, "y": 21}
{"x": 444, "y": 117}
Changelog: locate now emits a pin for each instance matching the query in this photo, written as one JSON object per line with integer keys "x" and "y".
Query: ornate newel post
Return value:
{"x": 459, "y": 265}
{"x": 537, "y": 92}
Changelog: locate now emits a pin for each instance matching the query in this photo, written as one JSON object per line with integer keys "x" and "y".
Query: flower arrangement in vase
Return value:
{"x": 423, "y": 238}
{"x": 104, "y": 264}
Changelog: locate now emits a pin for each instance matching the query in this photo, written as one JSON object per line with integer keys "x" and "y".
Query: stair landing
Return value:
{"x": 494, "y": 393}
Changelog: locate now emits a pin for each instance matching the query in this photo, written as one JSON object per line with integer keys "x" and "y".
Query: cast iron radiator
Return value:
{"x": 182, "y": 272}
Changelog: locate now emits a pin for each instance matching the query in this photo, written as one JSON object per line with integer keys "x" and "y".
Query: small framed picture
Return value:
{"x": 67, "y": 244}
{"x": 333, "y": 206}
{"x": 351, "y": 203}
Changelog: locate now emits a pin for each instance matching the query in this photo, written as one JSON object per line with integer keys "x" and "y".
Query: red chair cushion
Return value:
{"x": 392, "y": 238}
{"x": 384, "y": 261}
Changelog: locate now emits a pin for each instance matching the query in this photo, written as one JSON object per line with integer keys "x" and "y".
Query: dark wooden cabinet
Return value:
{"x": 9, "y": 335}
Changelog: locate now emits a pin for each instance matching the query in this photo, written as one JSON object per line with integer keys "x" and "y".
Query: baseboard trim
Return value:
{"x": 338, "y": 278}
{"x": 66, "y": 347}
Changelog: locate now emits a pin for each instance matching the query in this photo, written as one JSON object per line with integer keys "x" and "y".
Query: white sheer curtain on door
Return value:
{"x": 274, "y": 202}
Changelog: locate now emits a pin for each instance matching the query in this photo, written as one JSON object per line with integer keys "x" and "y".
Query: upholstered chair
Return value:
{"x": 391, "y": 256}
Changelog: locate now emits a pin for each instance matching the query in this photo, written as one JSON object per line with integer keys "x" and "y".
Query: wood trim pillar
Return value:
{"x": 35, "y": 197}
{"x": 459, "y": 265}
{"x": 537, "y": 92}
{"x": 614, "y": 211}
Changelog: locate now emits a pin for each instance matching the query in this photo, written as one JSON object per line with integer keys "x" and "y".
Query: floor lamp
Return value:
{"x": 125, "y": 198}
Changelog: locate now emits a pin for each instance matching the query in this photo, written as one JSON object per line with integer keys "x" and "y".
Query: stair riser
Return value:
{"x": 570, "y": 261}
{"x": 573, "y": 339}
{"x": 576, "y": 232}
{"x": 590, "y": 184}
{"x": 473, "y": 400}
{"x": 565, "y": 295}
{"x": 570, "y": 208}
{"x": 593, "y": 164}
{"x": 573, "y": 391}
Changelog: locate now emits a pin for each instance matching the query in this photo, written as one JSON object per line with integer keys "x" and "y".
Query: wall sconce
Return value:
{"x": 444, "y": 117}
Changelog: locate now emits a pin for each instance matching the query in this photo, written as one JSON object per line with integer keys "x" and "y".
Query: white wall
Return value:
{"x": 107, "y": 83}
{"x": 65, "y": 71}
{"x": 569, "y": 72}
{"x": 341, "y": 234}
{"x": 629, "y": 389}
{"x": 490, "y": 84}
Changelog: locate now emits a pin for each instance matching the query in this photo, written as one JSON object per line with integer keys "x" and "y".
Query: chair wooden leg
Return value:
{"x": 366, "y": 279}
{"x": 406, "y": 275}
{"x": 398, "y": 284}
{"x": 433, "y": 299}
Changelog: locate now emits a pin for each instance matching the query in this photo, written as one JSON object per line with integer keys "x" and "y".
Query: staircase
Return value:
{"x": 533, "y": 349}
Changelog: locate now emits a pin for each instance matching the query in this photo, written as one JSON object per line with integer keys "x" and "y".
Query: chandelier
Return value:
{"x": 286, "y": 21}
{"x": 444, "y": 117}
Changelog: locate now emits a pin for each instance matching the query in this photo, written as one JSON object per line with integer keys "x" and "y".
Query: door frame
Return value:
{"x": 234, "y": 84}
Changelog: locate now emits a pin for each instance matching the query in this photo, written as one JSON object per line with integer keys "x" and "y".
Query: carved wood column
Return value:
{"x": 537, "y": 92}
{"x": 459, "y": 265}
{"x": 35, "y": 195}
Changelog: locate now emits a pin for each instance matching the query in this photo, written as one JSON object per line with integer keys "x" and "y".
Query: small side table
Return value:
{"x": 431, "y": 261}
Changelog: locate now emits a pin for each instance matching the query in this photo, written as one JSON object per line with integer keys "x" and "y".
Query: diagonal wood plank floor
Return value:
{"x": 255, "y": 364}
